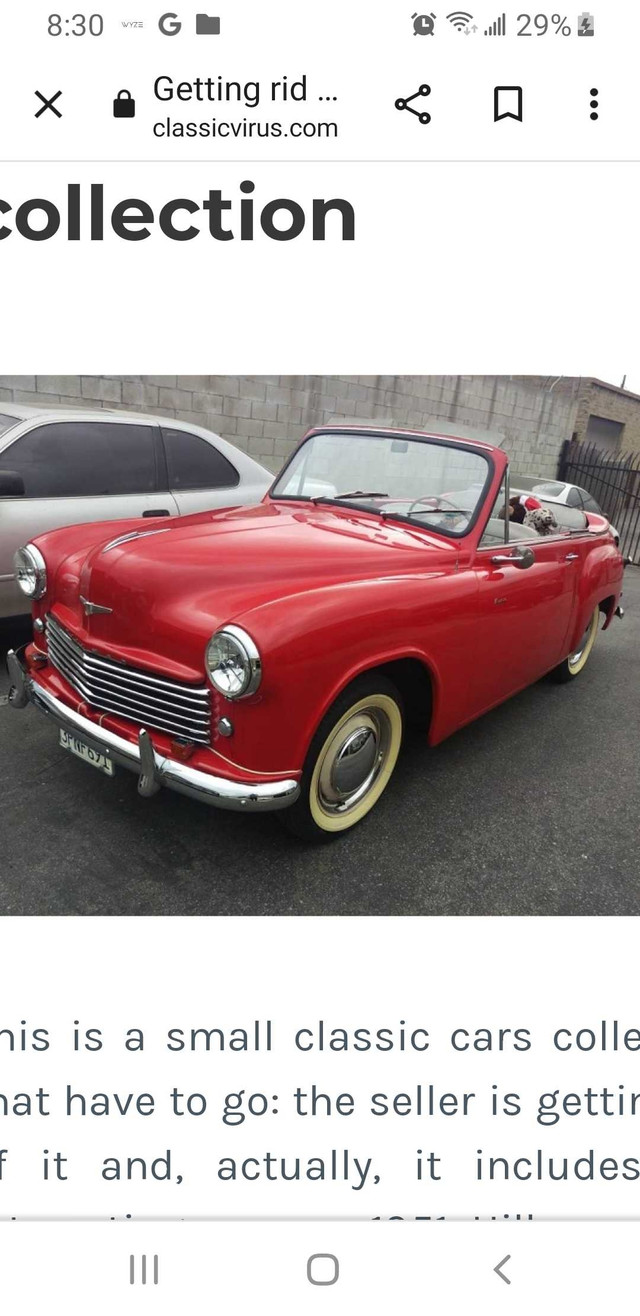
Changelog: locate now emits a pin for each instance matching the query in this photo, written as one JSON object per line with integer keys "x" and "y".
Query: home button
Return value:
{"x": 323, "y": 1268}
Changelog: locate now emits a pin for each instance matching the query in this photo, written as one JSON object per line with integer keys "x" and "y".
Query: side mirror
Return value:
{"x": 11, "y": 485}
{"x": 521, "y": 558}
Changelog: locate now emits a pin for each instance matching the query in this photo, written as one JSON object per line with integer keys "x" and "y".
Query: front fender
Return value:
{"x": 75, "y": 542}
{"x": 313, "y": 644}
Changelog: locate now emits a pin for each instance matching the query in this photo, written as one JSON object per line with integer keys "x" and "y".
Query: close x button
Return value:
{"x": 48, "y": 103}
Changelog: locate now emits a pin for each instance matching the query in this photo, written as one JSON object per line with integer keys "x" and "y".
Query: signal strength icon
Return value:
{"x": 459, "y": 19}
{"x": 499, "y": 28}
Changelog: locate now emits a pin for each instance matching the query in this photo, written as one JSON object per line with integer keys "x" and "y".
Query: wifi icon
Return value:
{"x": 459, "y": 19}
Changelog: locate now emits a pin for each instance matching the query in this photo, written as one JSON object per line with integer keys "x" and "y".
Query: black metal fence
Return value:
{"x": 614, "y": 482}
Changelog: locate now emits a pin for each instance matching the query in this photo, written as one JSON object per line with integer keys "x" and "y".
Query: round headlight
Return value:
{"x": 233, "y": 663}
{"x": 30, "y": 571}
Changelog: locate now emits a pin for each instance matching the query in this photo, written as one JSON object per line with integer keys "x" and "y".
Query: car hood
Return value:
{"x": 178, "y": 582}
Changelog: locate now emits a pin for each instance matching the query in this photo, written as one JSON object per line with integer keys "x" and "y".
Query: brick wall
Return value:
{"x": 610, "y": 403}
{"x": 266, "y": 415}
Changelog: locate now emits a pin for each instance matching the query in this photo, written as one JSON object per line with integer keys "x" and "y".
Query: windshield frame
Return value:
{"x": 437, "y": 440}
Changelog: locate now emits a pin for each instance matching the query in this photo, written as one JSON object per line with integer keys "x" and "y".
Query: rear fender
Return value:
{"x": 600, "y": 585}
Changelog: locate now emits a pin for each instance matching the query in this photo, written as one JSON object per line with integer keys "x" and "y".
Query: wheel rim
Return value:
{"x": 355, "y": 763}
{"x": 578, "y": 658}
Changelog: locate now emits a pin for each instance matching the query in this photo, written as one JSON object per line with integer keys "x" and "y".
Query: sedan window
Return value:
{"x": 84, "y": 459}
{"x": 193, "y": 463}
{"x": 590, "y": 504}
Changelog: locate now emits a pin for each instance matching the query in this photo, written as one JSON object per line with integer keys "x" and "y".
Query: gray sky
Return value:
{"x": 632, "y": 382}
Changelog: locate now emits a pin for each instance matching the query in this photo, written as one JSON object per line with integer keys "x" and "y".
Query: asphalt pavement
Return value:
{"x": 532, "y": 810}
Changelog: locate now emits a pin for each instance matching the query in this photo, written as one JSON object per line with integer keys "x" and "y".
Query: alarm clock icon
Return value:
{"x": 423, "y": 25}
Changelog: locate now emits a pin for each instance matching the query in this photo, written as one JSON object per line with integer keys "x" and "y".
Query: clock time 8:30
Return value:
{"x": 79, "y": 25}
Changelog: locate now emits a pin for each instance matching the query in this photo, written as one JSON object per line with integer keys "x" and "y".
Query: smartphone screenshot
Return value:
{"x": 319, "y": 657}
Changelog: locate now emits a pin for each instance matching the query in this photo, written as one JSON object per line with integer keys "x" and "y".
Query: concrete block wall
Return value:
{"x": 266, "y": 415}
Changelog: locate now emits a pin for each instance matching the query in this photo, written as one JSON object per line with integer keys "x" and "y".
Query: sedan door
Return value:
{"x": 75, "y": 471}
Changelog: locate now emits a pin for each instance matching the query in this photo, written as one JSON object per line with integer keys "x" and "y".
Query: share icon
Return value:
{"x": 405, "y": 103}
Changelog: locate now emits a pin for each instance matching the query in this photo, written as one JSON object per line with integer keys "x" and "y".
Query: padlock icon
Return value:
{"x": 124, "y": 106}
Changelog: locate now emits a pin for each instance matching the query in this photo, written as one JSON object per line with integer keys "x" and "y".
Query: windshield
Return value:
{"x": 6, "y": 422}
{"x": 439, "y": 485}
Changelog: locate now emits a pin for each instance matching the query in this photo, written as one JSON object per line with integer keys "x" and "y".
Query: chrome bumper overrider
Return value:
{"x": 154, "y": 771}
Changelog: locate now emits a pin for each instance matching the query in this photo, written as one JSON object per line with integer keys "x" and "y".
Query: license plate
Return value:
{"x": 82, "y": 751}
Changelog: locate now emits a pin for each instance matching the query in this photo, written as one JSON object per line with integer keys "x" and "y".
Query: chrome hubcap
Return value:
{"x": 353, "y": 760}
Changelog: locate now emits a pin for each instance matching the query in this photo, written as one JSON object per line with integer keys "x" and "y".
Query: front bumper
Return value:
{"x": 153, "y": 769}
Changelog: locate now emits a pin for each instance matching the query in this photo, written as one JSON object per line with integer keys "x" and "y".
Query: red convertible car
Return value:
{"x": 267, "y": 657}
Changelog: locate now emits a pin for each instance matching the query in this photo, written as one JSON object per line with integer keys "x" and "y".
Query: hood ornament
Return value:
{"x": 93, "y": 609}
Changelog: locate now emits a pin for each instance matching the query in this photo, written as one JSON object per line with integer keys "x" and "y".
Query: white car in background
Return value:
{"x": 62, "y": 467}
{"x": 557, "y": 491}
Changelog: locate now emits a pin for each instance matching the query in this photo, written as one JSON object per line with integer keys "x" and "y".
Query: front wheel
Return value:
{"x": 350, "y": 761}
{"x": 577, "y": 661}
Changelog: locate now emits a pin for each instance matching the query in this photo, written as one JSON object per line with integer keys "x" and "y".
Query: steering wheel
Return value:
{"x": 435, "y": 501}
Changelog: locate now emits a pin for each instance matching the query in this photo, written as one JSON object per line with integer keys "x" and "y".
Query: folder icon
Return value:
{"x": 207, "y": 26}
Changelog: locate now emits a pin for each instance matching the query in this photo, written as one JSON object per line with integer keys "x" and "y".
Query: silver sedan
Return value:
{"x": 63, "y": 467}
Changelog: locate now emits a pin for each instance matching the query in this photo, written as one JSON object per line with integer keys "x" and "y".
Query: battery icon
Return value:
{"x": 586, "y": 25}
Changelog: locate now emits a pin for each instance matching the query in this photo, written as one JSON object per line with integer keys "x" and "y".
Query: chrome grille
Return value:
{"x": 112, "y": 687}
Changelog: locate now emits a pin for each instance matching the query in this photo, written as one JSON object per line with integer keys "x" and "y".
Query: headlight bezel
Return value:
{"x": 30, "y": 559}
{"x": 250, "y": 659}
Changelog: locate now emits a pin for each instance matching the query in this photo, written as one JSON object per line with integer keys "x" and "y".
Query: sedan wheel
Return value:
{"x": 350, "y": 761}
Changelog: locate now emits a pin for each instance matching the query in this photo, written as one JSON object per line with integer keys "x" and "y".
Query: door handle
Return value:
{"x": 572, "y": 557}
{"x": 157, "y": 511}
{"x": 521, "y": 557}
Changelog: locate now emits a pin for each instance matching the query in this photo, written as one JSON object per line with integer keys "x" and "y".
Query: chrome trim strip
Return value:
{"x": 121, "y": 669}
{"x": 200, "y": 735}
{"x": 94, "y": 609}
{"x": 261, "y": 797}
{"x": 110, "y": 671}
{"x": 133, "y": 534}
{"x": 179, "y": 711}
{"x": 535, "y": 541}
{"x": 192, "y": 712}
{"x": 100, "y": 697}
